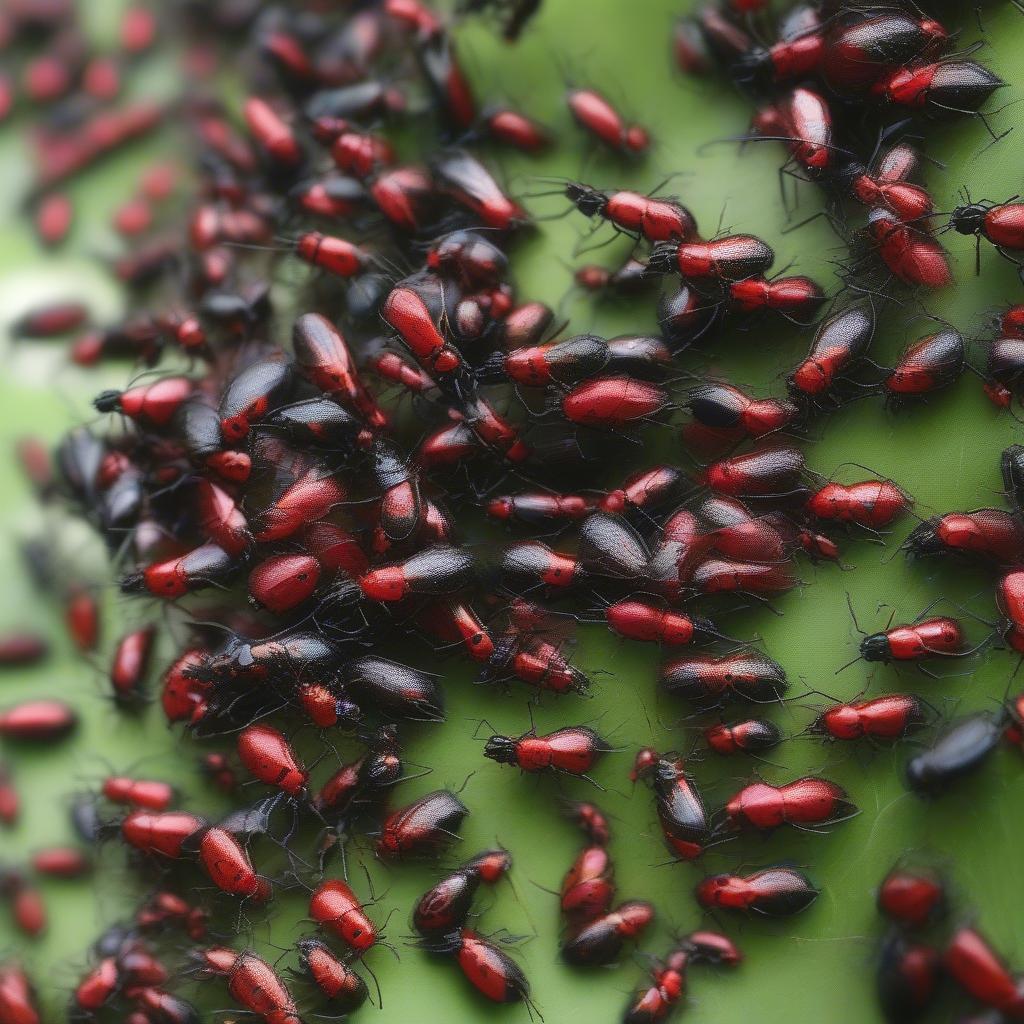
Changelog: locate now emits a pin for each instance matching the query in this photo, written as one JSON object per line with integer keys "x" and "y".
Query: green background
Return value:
{"x": 817, "y": 966}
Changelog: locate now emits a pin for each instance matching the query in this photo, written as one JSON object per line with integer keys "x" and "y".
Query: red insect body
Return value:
{"x": 146, "y": 793}
{"x": 183, "y": 698}
{"x": 273, "y": 134}
{"x": 613, "y": 402}
{"x": 322, "y": 354}
{"x": 574, "y": 750}
{"x": 38, "y": 721}
{"x": 130, "y": 664}
{"x": 268, "y": 756}
{"x": 808, "y": 801}
{"x": 162, "y": 833}
{"x": 874, "y": 504}
{"x": 883, "y": 718}
{"x": 17, "y": 996}
{"x": 594, "y": 113}
{"x": 284, "y": 581}
{"x": 911, "y": 898}
{"x": 61, "y": 862}
{"x": 791, "y": 296}
{"x": 331, "y": 975}
{"x": 637, "y": 620}
{"x": 975, "y": 966}
{"x": 774, "y": 892}
{"x": 226, "y": 862}
{"x": 515, "y": 129}
{"x": 422, "y": 828}
{"x": 588, "y": 887}
{"x": 82, "y": 615}
{"x": 336, "y": 907}
{"x": 407, "y": 313}
{"x": 912, "y": 255}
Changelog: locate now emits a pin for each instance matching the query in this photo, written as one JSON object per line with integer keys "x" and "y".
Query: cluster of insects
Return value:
{"x": 348, "y": 434}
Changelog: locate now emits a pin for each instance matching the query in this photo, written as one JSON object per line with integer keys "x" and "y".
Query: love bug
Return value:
{"x": 423, "y": 828}
{"x": 807, "y": 802}
{"x": 446, "y": 906}
{"x": 773, "y": 892}
{"x": 680, "y": 807}
{"x": 600, "y": 941}
{"x": 912, "y": 896}
{"x": 573, "y": 750}
{"x": 332, "y": 976}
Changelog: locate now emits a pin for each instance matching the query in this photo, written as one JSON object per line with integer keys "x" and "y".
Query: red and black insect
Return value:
{"x": 732, "y": 258}
{"x": 169, "y": 834}
{"x": 938, "y": 89}
{"x": 1002, "y": 224}
{"x": 725, "y": 409}
{"x": 911, "y": 254}
{"x": 601, "y": 940}
{"x": 681, "y": 812}
{"x": 655, "y": 220}
{"x": 989, "y": 532}
{"x": 751, "y": 736}
{"x": 886, "y": 184}
{"x": 906, "y": 978}
{"x": 573, "y": 750}
{"x": 926, "y": 366}
{"x": 17, "y": 995}
{"x": 204, "y": 566}
{"x": 336, "y": 908}
{"x": 491, "y": 971}
{"x": 512, "y": 128}
{"x": 469, "y": 183}
{"x": 640, "y": 620}
{"x": 39, "y": 721}
{"x": 809, "y": 802}
{"x": 912, "y": 897}
{"x": 268, "y": 756}
{"x": 839, "y": 345}
{"x": 227, "y": 863}
{"x": 588, "y": 887}
{"x": 253, "y": 984}
{"x": 332, "y": 976}
{"x": 973, "y": 964}
{"x": 860, "y": 50}
{"x": 445, "y": 907}
{"x": 773, "y": 892}
{"x": 873, "y": 504}
{"x": 711, "y": 679}
{"x": 151, "y": 794}
{"x": 130, "y": 664}
{"x": 882, "y": 718}
{"x": 423, "y": 828}
{"x": 598, "y": 117}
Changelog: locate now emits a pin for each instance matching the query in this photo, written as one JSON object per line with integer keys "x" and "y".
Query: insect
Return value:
{"x": 773, "y": 892}
{"x": 252, "y": 982}
{"x": 335, "y": 907}
{"x": 227, "y": 863}
{"x": 681, "y": 813}
{"x": 912, "y": 897}
{"x": 989, "y": 533}
{"x": 751, "y": 736}
{"x": 916, "y": 641}
{"x": 926, "y": 366}
{"x": 491, "y": 971}
{"x": 151, "y": 794}
{"x": 807, "y": 802}
{"x": 975, "y": 966}
{"x": 655, "y": 220}
{"x": 711, "y": 678}
{"x": 588, "y": 887}
{"x": 331, "y": 975}
{"x": 906, "y": 978}
{"x": 130, "y": 664}
{"x": 445, "y": 907}
{"x": 601, "y": 940}
{"x": 268, "y": 756}
{"x": 882, "y": 718}
{"x": 595, "y": 114}
{"x": 38, "y": 721}
{"x": 726, "y": 409}
{"x": 573, "y": 750}
{"x": 423, "y": 828}
{"x": 911, "y": 254}
{"x": 162, "y": 833}
{"x": 873, "y": 504}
